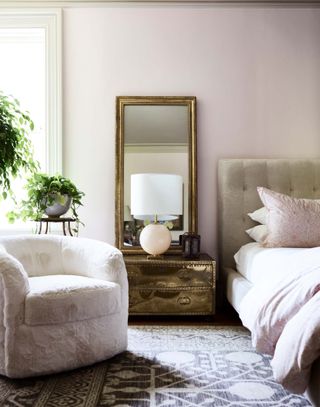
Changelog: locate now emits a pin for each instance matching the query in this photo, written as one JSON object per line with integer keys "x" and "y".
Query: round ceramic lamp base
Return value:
{"x": 155, "y": 239}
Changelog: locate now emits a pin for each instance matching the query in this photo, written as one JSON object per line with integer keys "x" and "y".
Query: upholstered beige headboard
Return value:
{"x": 237, "y": 182}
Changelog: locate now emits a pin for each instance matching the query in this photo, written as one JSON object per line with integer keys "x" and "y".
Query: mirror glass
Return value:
{"x": 155, "y": 135}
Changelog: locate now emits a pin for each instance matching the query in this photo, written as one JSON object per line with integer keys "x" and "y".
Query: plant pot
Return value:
{"x": 57, "y": 208}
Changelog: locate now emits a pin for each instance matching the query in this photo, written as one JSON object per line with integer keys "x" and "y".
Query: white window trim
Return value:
{"x": 50, "y": 20}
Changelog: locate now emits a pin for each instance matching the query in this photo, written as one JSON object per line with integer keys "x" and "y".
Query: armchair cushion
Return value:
{"x": 57, "y": 299}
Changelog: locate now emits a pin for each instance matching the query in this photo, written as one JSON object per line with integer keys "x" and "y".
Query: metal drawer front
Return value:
{"x": 184, "y": 276}
{"x": 171, "y": 301}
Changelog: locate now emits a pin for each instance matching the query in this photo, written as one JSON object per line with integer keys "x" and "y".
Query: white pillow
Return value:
{"x": 258, "y": 233}
{"x": 292, "y": 222}
{"x": 260, "y": 215}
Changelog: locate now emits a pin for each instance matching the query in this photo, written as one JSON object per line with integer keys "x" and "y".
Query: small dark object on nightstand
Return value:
{"x": 190, "y": 243}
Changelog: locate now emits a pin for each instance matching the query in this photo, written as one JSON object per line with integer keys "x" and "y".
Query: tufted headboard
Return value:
{"x": 237, "y": 194}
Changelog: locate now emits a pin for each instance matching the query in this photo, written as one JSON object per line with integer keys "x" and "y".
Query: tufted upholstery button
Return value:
{"x": 245, "y": 187}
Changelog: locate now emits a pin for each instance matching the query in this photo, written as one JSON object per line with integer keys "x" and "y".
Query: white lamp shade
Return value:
{"x": 156, "y": 194}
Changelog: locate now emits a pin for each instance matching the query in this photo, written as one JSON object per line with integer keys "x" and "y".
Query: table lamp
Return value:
{"x": 156, "y": 195}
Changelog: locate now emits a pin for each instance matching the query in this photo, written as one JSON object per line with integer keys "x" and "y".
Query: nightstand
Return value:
{"x": 171, "y": 285}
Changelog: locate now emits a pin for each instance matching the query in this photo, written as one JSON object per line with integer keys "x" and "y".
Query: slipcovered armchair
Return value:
{"x": 63, "y": 304}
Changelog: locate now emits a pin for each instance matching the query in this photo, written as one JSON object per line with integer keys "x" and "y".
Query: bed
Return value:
{"x": 237, "y": 185}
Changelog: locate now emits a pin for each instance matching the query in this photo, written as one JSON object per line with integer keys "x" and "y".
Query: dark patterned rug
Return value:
{"x": 163, "y": 367}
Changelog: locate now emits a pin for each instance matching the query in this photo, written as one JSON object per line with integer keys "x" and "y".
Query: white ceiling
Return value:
{"x": 12, "y": 3}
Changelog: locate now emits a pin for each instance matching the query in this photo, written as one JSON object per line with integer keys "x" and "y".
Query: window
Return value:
{"x": 30, "y": 70}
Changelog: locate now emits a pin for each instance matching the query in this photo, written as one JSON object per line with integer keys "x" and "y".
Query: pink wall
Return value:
{"x": 254, "y": 70}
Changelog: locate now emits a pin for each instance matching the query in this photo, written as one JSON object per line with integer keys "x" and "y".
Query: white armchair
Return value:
{"x": 63, "y": 304}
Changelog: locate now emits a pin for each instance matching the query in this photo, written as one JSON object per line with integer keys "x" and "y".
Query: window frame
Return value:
{"x": 51, "y": 21}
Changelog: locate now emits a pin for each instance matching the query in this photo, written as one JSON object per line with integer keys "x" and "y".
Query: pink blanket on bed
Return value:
{"x": 285, "y": 321}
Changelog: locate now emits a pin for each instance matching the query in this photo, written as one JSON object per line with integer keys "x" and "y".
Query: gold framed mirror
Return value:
{"x": 155, "y": 134}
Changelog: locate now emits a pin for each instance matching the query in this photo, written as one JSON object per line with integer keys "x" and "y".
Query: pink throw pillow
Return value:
{"x": 291, "y": 222}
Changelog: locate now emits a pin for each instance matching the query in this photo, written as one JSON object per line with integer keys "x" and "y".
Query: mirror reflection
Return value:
{"x": 155, "y": 141}
{"x": 155, "y": 136}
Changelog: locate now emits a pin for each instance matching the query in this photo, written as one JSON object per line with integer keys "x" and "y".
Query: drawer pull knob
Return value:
{"x": 184, "y": 300}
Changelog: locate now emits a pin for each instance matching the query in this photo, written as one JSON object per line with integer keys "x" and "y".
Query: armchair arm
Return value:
{"x": 96, "y": 259}
{"x": 93, "y": 258}
{"x": 14, "y": 286}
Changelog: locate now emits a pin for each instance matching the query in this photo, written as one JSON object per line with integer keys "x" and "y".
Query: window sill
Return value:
{"x": 20, "y": 229}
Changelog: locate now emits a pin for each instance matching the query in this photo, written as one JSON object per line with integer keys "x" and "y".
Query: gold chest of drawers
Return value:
{"x": 171, "y": 285}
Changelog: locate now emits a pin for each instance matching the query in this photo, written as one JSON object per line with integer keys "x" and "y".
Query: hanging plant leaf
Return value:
{"x": 16, "y": 152}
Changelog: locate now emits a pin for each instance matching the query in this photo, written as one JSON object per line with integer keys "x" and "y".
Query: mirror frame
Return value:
{"x": 121, "y": 103}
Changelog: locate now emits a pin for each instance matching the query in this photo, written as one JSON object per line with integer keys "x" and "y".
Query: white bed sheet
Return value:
{"x": 237, "y": 288}
{"x": 261, "y": 265}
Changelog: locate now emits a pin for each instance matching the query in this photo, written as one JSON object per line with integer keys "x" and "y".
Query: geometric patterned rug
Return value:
{"x": 164, "y": 366}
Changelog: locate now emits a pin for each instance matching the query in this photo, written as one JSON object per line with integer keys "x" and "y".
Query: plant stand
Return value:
{"x": 63, "y": 221}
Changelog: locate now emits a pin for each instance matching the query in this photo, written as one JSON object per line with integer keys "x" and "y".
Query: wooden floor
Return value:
{"x": 226, "y": 316}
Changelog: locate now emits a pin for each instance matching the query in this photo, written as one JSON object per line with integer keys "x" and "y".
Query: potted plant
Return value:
{"x": 16, "y": 151}
{"x": 53, "y": 195}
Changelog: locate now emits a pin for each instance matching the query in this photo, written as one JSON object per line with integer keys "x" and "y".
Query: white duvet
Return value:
{"x": 284, "y": 315}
